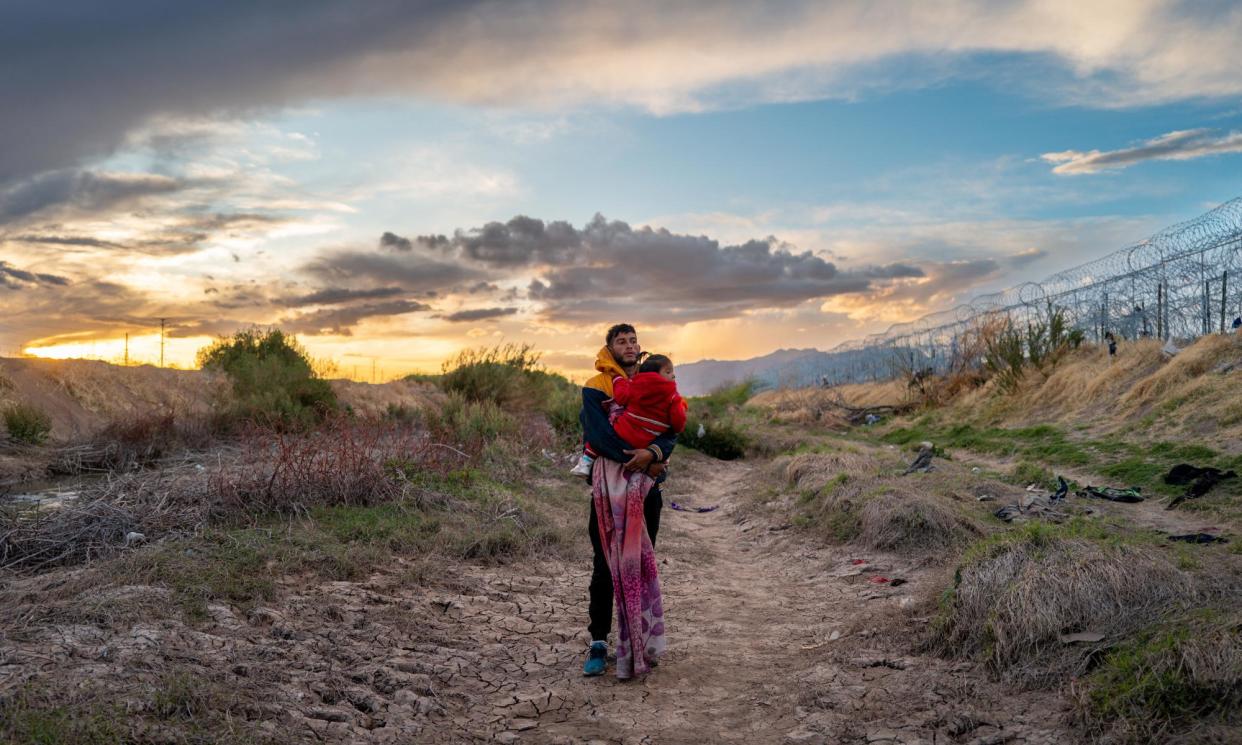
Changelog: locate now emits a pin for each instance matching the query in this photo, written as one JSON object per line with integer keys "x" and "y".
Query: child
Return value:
{"x": 651, "y": 404}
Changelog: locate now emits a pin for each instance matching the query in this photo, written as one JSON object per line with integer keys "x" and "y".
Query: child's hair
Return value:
{"x": 654, "y": 362}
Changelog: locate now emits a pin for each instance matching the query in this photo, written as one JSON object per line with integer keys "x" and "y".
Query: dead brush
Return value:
{"x": 96, "y": 524}
{"x": 1015, "y": 599}
{"x": 129, "y": 443}
{"x": 341, "y": 462}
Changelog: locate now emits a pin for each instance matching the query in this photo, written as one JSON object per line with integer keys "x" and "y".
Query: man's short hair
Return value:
{"x": 615, "y": 331}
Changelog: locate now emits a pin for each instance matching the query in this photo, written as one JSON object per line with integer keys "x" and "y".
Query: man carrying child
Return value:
{"x": 625, "y": 483}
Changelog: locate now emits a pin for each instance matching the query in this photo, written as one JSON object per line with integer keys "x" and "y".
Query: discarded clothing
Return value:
{"x": 1184, "y": 473}
{"x": 618, "y": 497}
{"x": 1128, "y": 496}
{"x": 684, "y": 508}
{"x": 1200, "y": 480}
{"x": 1198, "y": 538}
{"x": 922, "y": 461}
{"x": 1062, "y": 490}
{"x": 1030, "y": 506}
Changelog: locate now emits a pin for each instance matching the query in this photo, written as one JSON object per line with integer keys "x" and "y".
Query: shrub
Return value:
{"x": 27, "y": 424}
{"x": 510, "y": 377}
{"x": 274, "y": 380}
{"x": 502, "y": 374}
{"x": 721, "y": 438}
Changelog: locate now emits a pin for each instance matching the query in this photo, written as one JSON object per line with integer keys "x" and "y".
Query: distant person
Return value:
{"x": 625, "y": 517}
{"x": 1112, "y": 344}
{"x": 651, "y": 406}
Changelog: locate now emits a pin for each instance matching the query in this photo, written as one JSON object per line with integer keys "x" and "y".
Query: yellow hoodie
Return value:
{"x": 608, "y": 369}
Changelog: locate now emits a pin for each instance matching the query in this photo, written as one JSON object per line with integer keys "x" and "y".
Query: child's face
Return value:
{"x": 667, "y": 371}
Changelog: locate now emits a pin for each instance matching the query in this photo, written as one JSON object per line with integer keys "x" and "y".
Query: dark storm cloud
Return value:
{"x": 654, "y": 273}
{"x": 479, "y": 314}
{"x": 80, "y": 75}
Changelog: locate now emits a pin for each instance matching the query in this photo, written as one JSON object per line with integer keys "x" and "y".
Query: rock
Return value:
{"x": 508, "y": 738}
{"x": 521, "y": 725}
{"x": 133, "y": 538}
{"x": 805, "y": 737}
{"x": 883, "y": 735}
{"x": 328, "y": 715}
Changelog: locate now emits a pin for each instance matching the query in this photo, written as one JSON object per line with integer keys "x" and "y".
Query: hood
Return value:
{"x": 652, "y": 388}
{"x": 605, "y": 363}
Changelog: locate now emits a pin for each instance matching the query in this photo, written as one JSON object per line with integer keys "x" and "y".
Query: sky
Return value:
{"x": 397, "y": 181}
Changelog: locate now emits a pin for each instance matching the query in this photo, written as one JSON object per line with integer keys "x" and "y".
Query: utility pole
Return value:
{"x": 372, "y": 369}
{"x": 161, "y": 342}
{"x": 127, "y": 349}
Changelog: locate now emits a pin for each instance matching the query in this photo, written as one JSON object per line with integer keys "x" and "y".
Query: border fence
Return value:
{"x": 1181, "y": 283}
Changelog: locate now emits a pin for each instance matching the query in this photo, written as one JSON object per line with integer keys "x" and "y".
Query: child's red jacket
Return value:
{"x": 652, "y": 407}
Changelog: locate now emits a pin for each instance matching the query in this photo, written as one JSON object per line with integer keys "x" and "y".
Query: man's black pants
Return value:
{"x": 601, "y": 575}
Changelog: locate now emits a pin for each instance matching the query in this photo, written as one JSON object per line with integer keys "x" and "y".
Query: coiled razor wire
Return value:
{"x": 1181, "y": 283}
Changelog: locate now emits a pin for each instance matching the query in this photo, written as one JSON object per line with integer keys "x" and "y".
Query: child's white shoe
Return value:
{"x": 583, "y": 467}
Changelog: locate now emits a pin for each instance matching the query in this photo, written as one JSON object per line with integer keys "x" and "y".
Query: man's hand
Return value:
{"x": 639, "y": 459}
{"x": 656, "y": 470}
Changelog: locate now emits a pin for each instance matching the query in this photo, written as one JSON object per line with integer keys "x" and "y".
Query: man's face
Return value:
{"x": 625, "y": 349}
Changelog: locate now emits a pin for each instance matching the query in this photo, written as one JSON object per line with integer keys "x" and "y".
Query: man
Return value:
{"x": 619, "y": 356}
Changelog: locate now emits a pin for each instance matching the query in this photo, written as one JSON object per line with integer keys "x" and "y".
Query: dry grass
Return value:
{"x": 855, "y": 497}
{"x": 1177, "y": 681}
{"x": 1018, "y": 593}
{"x": 909, "y": 522}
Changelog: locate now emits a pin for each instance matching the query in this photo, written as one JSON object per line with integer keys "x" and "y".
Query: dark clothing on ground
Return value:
{"x": 601, "y": 576}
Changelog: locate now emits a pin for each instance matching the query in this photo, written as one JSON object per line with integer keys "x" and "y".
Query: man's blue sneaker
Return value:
{"x": 597, "y": 659}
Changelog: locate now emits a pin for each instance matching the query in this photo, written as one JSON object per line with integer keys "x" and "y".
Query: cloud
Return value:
{"x": 1185, "y": 144}
{"x": 611, "y": 268}
{"x": 66, "y": 101}
{"x": 413, "y": 271}
{"x": 479, "y": 314}
{"x": 15, "y": 279}
{"x": 66, "y": 240}
{"x": 394, "y": 241}
{"x": 340, "y": 321}
{"x": 86, "y": 190}
{"x": 338, "y": 295}
{"x": 1027, "y": 256}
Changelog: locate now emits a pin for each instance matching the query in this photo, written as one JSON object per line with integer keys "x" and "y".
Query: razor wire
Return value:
{"x": 1181, "y": 283}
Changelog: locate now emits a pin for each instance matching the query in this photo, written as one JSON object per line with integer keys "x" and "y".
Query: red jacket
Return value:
{"x": 652, "y": 407}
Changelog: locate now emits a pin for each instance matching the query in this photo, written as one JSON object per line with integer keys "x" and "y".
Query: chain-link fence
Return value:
{"x": 1181, "y": 283}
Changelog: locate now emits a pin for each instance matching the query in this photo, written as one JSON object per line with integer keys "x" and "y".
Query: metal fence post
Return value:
{"x": 1224, "y": 289}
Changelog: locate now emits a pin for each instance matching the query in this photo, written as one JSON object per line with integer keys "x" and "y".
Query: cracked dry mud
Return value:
{"x": 770, "y": 641}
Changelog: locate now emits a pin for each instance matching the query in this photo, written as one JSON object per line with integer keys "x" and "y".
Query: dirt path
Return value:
{"x": 770, "y": 641}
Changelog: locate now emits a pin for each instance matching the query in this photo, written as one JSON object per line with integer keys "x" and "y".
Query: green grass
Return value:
{"x": 1042, "y": 450}
{"x": 27, "y": 424}
{"x": 1145, "y": 683}
{"x": 23, "y": 720}
{"x": 459, "y": 515}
